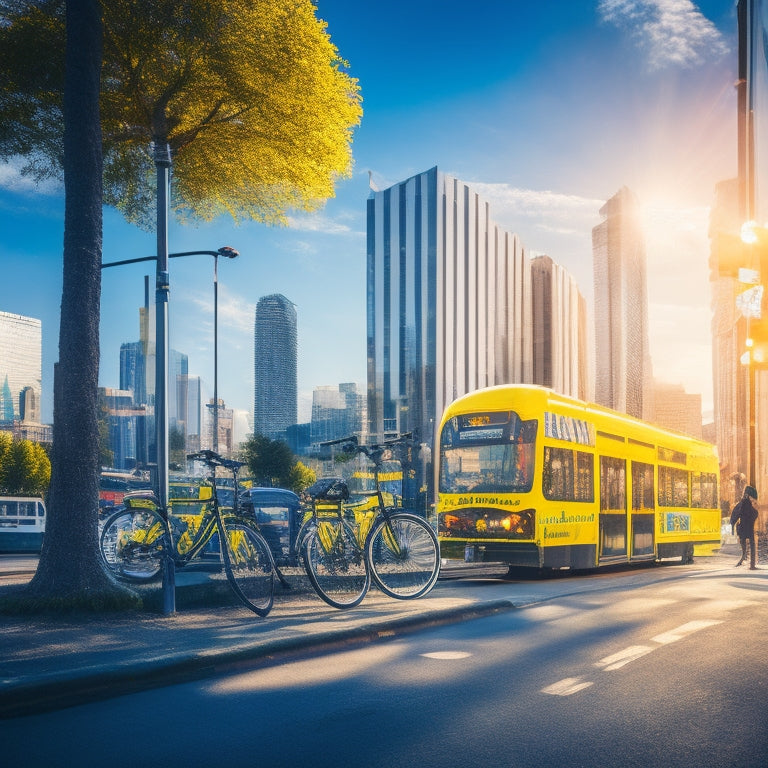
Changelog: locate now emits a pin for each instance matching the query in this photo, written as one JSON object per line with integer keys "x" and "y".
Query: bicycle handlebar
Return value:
{"x": 213, "y": 459}
{"x": 372, "y": 451}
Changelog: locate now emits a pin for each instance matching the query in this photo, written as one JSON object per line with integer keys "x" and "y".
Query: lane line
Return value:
{"x": 618, "y": 660}
{"x": 566, "y": 687}
{"x": 570, "y": 685}
{"x": 683, "y": 631}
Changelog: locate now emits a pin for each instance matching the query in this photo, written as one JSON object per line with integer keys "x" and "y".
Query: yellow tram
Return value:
{"x": 532, "y": 478}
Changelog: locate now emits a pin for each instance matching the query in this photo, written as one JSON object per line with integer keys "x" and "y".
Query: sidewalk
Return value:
{"x": 52, "y": 662}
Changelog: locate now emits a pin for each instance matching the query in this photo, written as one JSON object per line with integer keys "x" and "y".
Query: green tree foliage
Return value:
{"x": 269, "y": 461}
{"x": 25, "y": 469}
{"x": 272, "y": 463}
{"x": 300, "y": 477}
{"x": 252, "y": 98}
{"x": 6, "y": 440}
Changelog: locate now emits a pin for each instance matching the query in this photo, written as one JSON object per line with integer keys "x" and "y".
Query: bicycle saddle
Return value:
{"x": 329, "y": 489}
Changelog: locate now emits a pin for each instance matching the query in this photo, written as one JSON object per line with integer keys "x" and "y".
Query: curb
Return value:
{"x": 59, "y": 690}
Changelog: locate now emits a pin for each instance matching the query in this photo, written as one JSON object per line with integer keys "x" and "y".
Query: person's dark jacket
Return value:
{"x": 745, "y": 515}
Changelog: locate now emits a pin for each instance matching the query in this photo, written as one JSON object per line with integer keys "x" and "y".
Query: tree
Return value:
{"x": 257, "y": 110}
{"x": 251, "y": 97}
{"x": 25, "y": 469}
{"x": 269, "y": 461}
{"x": 70, "y": 573}
{"x": 6, "y": 441}
{"x": 300, "y": 477}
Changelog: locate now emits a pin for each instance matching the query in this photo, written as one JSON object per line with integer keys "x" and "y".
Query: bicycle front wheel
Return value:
{"x": 403, "y": 555}
{"x": 335, "y": 564}
{"x": 248, "y": 564}
{"x": 132, "y": 544}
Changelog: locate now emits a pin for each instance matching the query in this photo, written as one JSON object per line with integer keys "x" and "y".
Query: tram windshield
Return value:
{"x": 487, "y": 453}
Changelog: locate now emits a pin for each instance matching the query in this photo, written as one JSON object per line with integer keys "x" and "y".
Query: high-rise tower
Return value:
{"x": 448, "y": 302}
{"x": 275, "y": 367}
{"x": 559, "y": 330}
{"x": 623, "y": 376}
{"x": 21, "y": 365}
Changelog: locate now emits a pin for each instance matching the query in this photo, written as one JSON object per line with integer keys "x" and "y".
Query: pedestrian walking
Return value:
{"x": 743, "y": 520}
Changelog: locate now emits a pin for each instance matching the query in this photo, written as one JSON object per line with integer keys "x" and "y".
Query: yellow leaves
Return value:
{"x": 251, "y": 96}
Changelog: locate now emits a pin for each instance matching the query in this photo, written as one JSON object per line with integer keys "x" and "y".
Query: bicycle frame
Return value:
{"x": 398, "y": 548}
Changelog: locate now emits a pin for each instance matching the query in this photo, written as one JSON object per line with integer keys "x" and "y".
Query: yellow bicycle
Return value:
{"x": 136, "y": 539}
{"x": 395, "y": 548}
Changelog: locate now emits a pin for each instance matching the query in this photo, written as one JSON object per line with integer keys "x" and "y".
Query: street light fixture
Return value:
{"x": 229, "y": 253}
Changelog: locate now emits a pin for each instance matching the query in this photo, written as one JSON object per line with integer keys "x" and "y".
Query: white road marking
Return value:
{"x": 571, "y": 685}
{"x": 617, "y": 660}
{"x": 446, "y": 655}
{"x": 566, "y": 687}
{"x": 681, "y": 632}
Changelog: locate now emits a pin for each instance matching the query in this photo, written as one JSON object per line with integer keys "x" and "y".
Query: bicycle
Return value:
{"x": 396, "y": 549}
{"x": 135, "y": 540}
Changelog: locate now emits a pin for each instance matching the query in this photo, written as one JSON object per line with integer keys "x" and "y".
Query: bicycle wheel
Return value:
{"x": 301, "y": 538}
{"x": 335, "y": 564}
{"x": 132, "y": 543}
{"x": 403, "y": 555}
{"x": 248, "y": 564}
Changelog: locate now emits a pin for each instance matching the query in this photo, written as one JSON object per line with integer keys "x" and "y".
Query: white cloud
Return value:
{"x": 672, "y": 32}
{"x": 236, "y": 315}
{"x": 12, "y": 179}
{"x": 315, "y": 222}
{"x": 544, "y": 211}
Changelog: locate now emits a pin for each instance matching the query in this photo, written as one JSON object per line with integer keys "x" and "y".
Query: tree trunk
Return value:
{"x": 70, "y": 574}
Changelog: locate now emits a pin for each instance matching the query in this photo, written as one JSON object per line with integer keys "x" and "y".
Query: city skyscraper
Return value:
{"x": 275, "y": 402}
{"x": 337, "y": 412}
{"x": 133, "y": 371}
{"x": 448, "y": 302}
{"x": 560, "y": 358}
{"x": 178, "y": 385}
{"x": 21, "y": 366}
{"x": 623, "y": 375}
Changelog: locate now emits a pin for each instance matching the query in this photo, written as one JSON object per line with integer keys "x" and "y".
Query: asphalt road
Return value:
{"x": 657, "y": 673}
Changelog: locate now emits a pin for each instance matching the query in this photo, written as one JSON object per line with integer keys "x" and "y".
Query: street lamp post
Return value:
{"x": 161, "y": 358}
{"x": 229, "y": 253}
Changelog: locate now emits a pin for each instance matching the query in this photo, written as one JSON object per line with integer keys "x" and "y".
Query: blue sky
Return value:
{"x": 546, "y": 108}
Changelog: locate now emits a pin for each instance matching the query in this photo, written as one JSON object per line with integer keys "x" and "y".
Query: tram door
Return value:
{"x": 613, "y": 509}
{"x": 643, "y": 508}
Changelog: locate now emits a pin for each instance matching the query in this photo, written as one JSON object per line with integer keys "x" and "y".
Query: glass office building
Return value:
{"x": 21, "y": 364}
{"x": 448, "y": 303}
{"x": 560, "y": 337}
{"x": 275, "y": 404}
